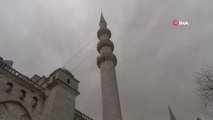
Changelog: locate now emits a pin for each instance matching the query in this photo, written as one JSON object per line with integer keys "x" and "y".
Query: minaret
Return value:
{"x": 107, "y": 62}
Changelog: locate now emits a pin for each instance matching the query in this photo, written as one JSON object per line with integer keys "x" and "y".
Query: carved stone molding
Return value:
{"x": 106, "y": 57}
{"x": 103, "y": 43}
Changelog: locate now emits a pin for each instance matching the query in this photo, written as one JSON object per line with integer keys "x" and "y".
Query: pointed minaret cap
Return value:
{"x": 102, "y": 18}
{"x": 102, "y": 22}
{"x": 172, "y": 116}
{"x": 103, "y": 28}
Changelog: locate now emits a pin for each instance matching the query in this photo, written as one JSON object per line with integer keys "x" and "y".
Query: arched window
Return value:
{"x": 12, "y": 110}
{"x": 23, "y": 94}
{"x": 3, "y": 111}
{"x": 35, "y": 101}
{"x": 9, "y": 87}
{"x": 68, "y": 81}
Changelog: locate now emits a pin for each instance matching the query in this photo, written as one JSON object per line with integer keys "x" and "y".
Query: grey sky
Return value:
{"x": 156, "y": 61}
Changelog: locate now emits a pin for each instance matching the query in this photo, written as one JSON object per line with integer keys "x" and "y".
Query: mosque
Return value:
{"x": 53, "y": 97}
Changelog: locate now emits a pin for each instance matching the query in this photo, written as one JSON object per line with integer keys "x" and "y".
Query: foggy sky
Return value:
{"x": 157, "y": 62}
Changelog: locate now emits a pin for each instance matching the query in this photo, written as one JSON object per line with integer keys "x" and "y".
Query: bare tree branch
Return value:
{"x": 204, "y": 81}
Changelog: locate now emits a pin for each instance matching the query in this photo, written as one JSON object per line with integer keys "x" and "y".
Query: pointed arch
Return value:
{"x": 8, "y": 112}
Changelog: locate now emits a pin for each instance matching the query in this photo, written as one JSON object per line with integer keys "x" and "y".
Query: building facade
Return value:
{"x": 39, "y": 97}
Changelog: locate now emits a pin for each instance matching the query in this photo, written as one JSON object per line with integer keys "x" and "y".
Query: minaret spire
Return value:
{"x": 102, "y": 23}
{"x": 107, "y": 61}
{"x": 102, "y": 18}
{"x": 172, "y": 116}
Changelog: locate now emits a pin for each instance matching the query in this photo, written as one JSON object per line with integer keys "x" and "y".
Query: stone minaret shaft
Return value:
{"x": 107, "y": 62}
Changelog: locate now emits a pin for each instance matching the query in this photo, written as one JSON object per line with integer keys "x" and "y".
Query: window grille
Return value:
{"x": 3, "y": 111}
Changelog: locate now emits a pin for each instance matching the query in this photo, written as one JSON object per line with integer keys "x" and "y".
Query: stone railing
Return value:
{"x": 81, "y": 115}
{"x": 21, "y": 76}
